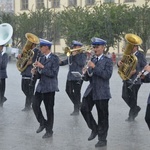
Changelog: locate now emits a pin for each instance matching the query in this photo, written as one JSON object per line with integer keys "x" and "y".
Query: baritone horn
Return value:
{"x": 129, "y": 60}
{"x": 27, "y": 52}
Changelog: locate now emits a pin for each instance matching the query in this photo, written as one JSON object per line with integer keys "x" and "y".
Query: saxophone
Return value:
{"x": 129, "y": 60}
{"x": 27, "y": 53}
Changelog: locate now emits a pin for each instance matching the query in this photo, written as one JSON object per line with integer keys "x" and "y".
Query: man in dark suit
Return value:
{"x": 76, "y": 62}
{"x": 98, "y": 92}
{"x": 130, "y": 95}
{"x": 47, "y": 72}
{"x": 3, "y": 74}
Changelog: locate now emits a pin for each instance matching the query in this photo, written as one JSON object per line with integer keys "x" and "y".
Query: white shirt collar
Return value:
{"x": 47, "y": 56}
{"x": 135, "y": 52}
{"x": 99, "y": 57}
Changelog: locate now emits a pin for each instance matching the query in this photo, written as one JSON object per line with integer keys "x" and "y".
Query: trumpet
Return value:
{"x": 68, "y": 51}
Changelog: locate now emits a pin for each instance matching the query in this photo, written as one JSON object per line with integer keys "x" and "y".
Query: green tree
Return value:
{"x": 74, "y": 24}
{"x": 141, "y": 24}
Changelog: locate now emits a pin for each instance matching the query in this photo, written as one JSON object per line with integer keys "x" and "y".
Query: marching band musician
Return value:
{"x": 98, "y": 92}
{"x": 3, "y": 74}
{"x": 47, "y": 71}
{"x": 76, "y": 63}
{"x": 26, "y": 79}
{"x": 130, "y": 95}
{"x": 146, "y": 79}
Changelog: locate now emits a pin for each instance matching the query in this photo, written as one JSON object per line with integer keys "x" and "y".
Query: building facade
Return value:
{"x": 26, "y": 5}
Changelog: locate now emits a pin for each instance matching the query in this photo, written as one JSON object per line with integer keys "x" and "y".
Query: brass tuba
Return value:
{"x": 27, "y": 52}
{"x": 129, "y": 60}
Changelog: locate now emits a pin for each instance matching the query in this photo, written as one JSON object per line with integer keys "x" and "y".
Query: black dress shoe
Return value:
{"x": 40, "y": 129}
{"x": 1, "y": 104}
{"x": 137, "y": 111}
{"x": 130, "y": 119}
{"x": 4, "y": 99}
{"x": 92, "y": 136}
{"x": 74, "y": 113}
{"x": 101, "y": 143}
{"x": 27, "y": 109}
{"x": 47, "y": 135}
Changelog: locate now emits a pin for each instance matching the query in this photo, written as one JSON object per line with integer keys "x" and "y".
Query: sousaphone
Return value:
{"x": 6, "y": 32}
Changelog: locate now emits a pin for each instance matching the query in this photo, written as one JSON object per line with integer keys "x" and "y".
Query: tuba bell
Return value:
{"x": 27, "y": 52}
{"x": 6, "y": 31}
{"x": 129, "y": 60}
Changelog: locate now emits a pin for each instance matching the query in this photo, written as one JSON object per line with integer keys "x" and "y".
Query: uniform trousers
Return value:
{"x": 2, "y": 90}
{"x": 147, "y": 115}
{"x": 130, "y": 97}
{"x": 48, "y": 100}
{"x": 102, "y": 110}
{"x": 73, "y": 89}
{"x": 28, "y": 91}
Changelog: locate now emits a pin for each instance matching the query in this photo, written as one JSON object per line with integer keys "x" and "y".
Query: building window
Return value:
{"x": 72, "y": 3}
{"x": 126, "y": 1}
{"x": 56, "y": 3}
{"x": 90, "y": 2}
{"x": 24, "y": 4}
{"x": 109, "y": 1}
{"x": 39, "y": 4}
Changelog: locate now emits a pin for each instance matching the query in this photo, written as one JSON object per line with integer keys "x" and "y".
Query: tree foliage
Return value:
{"x": 108, "y": 21}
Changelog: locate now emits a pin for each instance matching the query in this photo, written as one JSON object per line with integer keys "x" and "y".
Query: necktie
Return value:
{"x": 45, "y": 59}
{"x": 96, "y": 60}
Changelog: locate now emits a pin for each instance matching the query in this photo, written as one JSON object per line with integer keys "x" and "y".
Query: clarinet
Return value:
{"x": 33, "y": 75}
{"x": 143, "y": 72}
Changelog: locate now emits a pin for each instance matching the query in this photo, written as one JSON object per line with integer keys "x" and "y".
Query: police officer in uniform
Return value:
{"x": 146, "y": 79}
{"x": 46, "y": 71}
{"x": 76, "y": 63}
{"x": 130, "y": 96}
{"x": 27, "y": 81}
{"x": 98, "y": 92}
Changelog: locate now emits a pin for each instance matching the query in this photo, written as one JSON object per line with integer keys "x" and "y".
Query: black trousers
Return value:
{"x": 48, "y": 100}
{"x": 73, "y": 90}
{"x": 2, "y": 90}
{"x": 28, "y": 91}
{"x": 147, "y": 116}
{"x": 130, "y": 96}
{"x": 103, "y": 115}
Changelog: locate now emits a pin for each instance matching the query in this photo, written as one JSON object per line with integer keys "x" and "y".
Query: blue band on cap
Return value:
{"x": 98, "y": 41}
{"x": 44, "y": 42}
{"x": 76, "y": 43}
